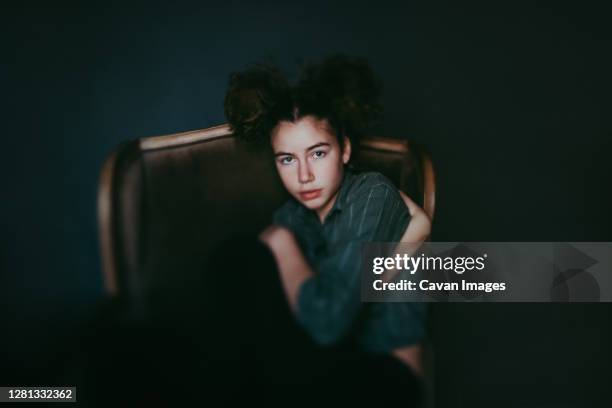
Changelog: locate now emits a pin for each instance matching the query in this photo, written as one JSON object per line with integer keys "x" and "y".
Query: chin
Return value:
{"x": 313, "y": 204}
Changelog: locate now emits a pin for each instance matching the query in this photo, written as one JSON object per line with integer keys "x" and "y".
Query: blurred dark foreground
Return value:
{"x": 220, "y": 341}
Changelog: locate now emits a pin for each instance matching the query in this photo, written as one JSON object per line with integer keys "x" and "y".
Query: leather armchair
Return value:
{"x": 164, "y": 202}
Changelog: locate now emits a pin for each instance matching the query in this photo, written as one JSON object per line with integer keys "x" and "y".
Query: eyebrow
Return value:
{"x": 310, "y": 148}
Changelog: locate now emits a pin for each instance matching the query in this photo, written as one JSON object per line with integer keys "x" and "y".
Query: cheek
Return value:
{"x": 330, "y": 171}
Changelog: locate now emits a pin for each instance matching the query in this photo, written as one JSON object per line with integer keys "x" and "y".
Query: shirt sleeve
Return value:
{"x": 329, "y": 302}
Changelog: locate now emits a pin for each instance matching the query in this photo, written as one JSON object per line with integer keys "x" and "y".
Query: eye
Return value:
{"x": 286, "y": 160}
{"x": 319, "y": 154}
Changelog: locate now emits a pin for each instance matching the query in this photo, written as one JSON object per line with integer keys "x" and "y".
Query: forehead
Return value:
{"x": 299, "y": 136}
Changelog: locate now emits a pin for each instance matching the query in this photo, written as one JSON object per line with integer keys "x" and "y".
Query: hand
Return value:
{"x": 274, "y": 235}
{"x": 412, "y": 206}
{"x": 420, "y": 225}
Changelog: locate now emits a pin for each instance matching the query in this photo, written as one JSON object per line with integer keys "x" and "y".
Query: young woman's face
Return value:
{"x": 310, "y": 162}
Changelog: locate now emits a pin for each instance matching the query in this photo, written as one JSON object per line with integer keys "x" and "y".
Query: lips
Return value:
{"x": 310, "y": 194}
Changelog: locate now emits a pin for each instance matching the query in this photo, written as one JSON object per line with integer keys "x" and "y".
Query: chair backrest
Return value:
{"x": 165, "y": 201}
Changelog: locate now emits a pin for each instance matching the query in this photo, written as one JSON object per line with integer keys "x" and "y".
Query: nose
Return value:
{"x": 304, "y": 173}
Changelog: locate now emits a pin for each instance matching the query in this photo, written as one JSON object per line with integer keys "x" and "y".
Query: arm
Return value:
{"x": 417, "y": 232}
{"x": 292, "y": 265}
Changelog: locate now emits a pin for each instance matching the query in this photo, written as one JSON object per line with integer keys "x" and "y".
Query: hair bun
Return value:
{"x": 347, "y": 87}
{"x": 255, "y": 98}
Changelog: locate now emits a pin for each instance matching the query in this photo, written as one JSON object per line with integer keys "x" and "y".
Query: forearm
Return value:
{"x": 293, "y": 268}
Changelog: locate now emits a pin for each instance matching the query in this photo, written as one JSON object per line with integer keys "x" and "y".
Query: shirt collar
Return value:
{"x": 347, "y": 181}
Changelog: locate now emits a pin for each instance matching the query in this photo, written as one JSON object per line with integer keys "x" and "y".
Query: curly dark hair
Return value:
{"x": 342, "y": 90}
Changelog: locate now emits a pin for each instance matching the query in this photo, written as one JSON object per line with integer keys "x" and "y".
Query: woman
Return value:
{"x": 316, "y": 236}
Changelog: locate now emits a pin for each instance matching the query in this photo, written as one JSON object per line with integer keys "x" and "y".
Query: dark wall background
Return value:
{"x": 512, "y": 100}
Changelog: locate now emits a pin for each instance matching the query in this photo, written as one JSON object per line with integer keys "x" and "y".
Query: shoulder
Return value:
{"x": 372, "y": 184}
{"x": 374, "y": 209}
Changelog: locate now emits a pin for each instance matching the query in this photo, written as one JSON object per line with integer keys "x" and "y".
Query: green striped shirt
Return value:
{"x": 368, "y": 209}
